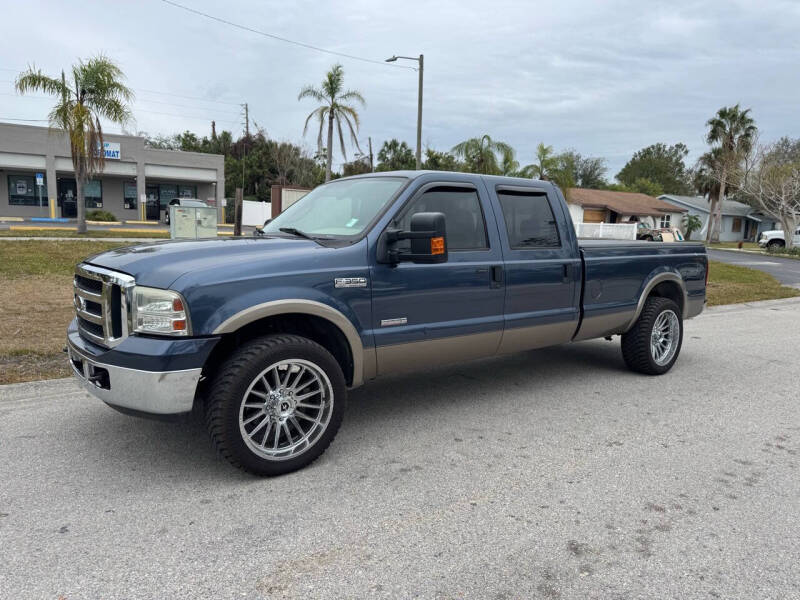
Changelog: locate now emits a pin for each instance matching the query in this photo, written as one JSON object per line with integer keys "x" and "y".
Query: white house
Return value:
{"x": 608, "y": 206}
{"x": 740, "y": 222}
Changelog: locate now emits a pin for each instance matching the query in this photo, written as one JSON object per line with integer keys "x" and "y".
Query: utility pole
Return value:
{"x": 421, "y": 61}
{"x": 246, "y": 119}
{"x": 213, "y": 130}
{"x": 371, "y": 162}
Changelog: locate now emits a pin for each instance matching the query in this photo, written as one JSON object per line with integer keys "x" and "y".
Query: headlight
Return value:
{"x": 161, "y": 312}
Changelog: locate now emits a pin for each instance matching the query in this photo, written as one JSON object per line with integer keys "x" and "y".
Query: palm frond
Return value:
{"x": 33, "y": 80}
{"x": 353, "y": 95}
{"x": 311, "y": 92}
{"x": 341, "y": 137}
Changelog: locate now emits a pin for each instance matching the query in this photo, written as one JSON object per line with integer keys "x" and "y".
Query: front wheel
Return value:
{"x": 652, "y": 345}
{"x": 775, "y": 244}
{"x": 276, "y": 404}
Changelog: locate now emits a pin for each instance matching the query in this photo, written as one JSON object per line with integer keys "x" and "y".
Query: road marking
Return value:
{"x": 760, "y": 263}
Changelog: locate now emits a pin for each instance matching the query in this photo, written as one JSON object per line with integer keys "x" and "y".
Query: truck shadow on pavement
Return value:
{"x": 182, "y": 449}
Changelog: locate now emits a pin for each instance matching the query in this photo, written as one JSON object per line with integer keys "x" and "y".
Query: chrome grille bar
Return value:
{"x": 107, "y": 281}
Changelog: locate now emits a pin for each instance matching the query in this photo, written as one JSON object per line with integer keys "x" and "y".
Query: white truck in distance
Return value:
{"x": 775, "y": 239}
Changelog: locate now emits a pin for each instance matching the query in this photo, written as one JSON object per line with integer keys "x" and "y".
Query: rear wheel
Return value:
{"x": 653, "y": 344}
{"x": 276, "y": 404}
{"x": 775, "y": 244}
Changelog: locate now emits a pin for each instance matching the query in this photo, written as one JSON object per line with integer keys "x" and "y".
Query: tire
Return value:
{"x": 775, "y": 244}
{"x": 265, "y": 387}
{"x": 637, "y": 344}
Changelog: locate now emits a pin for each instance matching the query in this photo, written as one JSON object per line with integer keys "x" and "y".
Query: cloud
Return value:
{"x": 605, "y": 78}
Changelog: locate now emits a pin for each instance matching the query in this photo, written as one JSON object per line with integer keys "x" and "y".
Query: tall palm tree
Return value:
{"x": 706, "y": 183}
{"x": 485, "y": 155}
{"x": 546, "y": 163}
{"x": 734, "y": 130}
{"x": 95, "y": 92}
{"x": 336, "y": 109}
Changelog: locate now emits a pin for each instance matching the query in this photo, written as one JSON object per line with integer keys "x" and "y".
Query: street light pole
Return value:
{"x": 421, "y": 61}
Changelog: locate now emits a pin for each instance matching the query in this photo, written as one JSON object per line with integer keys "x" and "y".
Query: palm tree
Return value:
{"x": 336, "y": 109}
{"x": 485, "y": 155}
{"x": 546, "y": 163}
{"x": 706, "y": 183}
{"x": 734, "y": 131}
{"x": 95, "y": 92}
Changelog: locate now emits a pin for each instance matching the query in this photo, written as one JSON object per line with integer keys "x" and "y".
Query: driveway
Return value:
{"x": 785, "y": 270}
{"x": 550, "y": 474}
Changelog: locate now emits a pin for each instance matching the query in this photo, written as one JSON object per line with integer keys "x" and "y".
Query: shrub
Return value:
{"x": 783, "y": 250}
{"x": 100, "y": 215}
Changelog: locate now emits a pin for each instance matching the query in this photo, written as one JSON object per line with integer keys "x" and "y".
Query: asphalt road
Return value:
{"x": 550, "y": 474}
{"x": 785, "y": 270}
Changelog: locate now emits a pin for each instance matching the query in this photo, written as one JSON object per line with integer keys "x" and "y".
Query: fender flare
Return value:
{"x": 652, "y": 283}
{"x": 308, "y": 307}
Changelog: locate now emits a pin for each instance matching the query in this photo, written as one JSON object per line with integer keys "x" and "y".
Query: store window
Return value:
{"x": 129, "y": 194}
{"x": 23, "y": 191}
{"x": 665, "y": 220}
{"x": 187, "y": 191}
{"x": 93, "y": 192}
{"x": 167, "y": 192}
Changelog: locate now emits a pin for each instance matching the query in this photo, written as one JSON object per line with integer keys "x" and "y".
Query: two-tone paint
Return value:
{"x": 406, "y": 316}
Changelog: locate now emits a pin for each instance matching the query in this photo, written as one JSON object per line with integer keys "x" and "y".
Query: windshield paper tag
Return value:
{"x": 351, "y": 223}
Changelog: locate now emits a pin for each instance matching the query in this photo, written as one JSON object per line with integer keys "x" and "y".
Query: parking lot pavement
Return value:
{"x": 550, "y": 474}
{"x": 785, "y": 270}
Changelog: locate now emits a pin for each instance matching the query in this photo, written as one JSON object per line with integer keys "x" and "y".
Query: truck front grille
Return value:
{"x": 101, "y": 304}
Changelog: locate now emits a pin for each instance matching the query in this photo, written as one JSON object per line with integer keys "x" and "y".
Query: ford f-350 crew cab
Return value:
{"x": 363, "y": 277}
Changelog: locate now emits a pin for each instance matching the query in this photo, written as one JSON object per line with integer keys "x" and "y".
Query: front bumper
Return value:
{"x": 133, "y": 389}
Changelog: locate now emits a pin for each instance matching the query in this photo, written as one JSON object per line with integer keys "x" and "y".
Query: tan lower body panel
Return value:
{"x": 603, "y": 325}
{"x": 426, "y": 354}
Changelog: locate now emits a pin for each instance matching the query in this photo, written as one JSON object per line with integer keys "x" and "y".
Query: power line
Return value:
{"x": 283, "y": 39}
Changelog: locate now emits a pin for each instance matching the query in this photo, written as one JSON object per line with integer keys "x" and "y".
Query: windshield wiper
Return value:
{"x": 303, "y": 234}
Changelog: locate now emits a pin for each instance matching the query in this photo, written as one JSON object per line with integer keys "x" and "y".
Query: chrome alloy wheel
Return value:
{"x": 665, "y": 337}
{"x": 286, "y": 409}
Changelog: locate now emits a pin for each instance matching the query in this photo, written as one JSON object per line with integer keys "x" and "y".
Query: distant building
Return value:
{"x": 740, "y": 222}
{"x": 608, "y": 206}
{"x": 137, "y": 183}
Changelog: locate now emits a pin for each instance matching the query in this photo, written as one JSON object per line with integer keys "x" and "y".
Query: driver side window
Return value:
{"x": 464, "y": 220}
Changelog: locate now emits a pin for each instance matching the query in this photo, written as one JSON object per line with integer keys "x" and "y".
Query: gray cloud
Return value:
{"x": 605, "y": 78}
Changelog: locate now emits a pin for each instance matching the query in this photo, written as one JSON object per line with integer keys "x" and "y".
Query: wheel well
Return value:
{"x": 776, "y": 242}
{"x": 671, "y": 290}
{"x": 315, "y": 328}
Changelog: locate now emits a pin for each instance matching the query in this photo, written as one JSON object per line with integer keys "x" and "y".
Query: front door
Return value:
{"x": 426, "y": 315}
{"x": 153, "y": 212}
{"x": 67, "y": 197}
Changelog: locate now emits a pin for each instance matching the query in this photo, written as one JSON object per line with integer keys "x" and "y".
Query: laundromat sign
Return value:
{"x": 111, "y": 150}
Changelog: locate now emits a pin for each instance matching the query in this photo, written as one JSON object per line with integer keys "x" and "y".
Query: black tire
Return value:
{"x": 775, "y": 244}
{"x": 636, "y": 347}
{"x": 230, "y": 384}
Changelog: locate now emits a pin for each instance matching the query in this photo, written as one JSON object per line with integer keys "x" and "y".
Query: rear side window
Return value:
{"x": 529, "y": 220}
{"x": 464, "y": 221}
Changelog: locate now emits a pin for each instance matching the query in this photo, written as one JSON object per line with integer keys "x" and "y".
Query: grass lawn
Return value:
{"x": 731, "y": 284}
{"x": 745, "y": 245}
{"x": 36, "y": 296}
{"x": 93, "y": 233}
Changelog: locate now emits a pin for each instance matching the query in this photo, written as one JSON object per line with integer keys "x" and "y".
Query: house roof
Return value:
{"x": 701, "y": 203}
{"x": 626, "y": 203}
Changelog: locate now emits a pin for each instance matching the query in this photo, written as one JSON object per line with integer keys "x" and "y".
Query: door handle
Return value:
{"x": 497, "y": 276}
{"x": 567, "y": 273}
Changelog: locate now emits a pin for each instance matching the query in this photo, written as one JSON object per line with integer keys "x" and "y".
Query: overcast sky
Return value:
{"x": 604, "y": 78}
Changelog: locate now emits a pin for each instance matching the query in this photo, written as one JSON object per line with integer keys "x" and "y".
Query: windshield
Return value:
{"x": 339, "y": 208}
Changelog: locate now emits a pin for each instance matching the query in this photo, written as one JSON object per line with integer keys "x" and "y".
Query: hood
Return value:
{"x": 159, "y": 264}
{"x": 773, "y": 233}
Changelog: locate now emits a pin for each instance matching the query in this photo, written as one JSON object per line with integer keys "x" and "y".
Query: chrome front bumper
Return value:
{"x": 155, "y": 392}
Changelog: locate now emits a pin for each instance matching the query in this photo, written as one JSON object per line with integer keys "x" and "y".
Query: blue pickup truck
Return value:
{"x": 363, "y": 277}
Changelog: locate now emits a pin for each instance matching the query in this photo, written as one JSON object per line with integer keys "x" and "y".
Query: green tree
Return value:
{"x": 335, "y": 108}
{"x": 95, "y": 91}
{"x": 545, "y": 165}
{"x": 732, "y": 130}
{"x": 395, "y": 155}
{"x": 691, "y": 223}
{"x": 587, "y": 171}
{"x": 440, "y": 161}
{"x": 661, "y": 164}
{"x": 484, "y": 155}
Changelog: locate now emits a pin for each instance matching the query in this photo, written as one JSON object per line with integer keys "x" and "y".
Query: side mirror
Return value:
{"x": 428, "y": 241}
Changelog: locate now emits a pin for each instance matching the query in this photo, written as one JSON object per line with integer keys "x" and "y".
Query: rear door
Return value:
{"x": 542, "y": 268}
{"x": 425, "y": 315}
